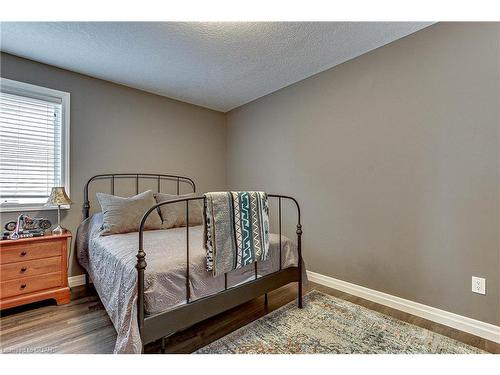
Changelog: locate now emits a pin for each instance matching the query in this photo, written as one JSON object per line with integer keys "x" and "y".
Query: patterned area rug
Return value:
{"x": 331, "y": 325}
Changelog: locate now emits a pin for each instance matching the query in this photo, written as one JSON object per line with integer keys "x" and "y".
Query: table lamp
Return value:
{"x": 58, "y": 197}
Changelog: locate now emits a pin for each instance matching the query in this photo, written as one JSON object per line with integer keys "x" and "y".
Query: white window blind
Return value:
{"x": 32, "y": 158}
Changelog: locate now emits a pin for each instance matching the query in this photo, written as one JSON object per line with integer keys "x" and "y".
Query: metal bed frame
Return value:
{"x": 159, "y": 326}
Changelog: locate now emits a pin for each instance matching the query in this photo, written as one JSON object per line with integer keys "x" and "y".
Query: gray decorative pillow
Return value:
{"x": 123, "y": 215}
{"x": 174, "y": 214}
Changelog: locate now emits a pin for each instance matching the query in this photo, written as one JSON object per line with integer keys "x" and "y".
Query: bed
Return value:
{"x": 149, "y": 297}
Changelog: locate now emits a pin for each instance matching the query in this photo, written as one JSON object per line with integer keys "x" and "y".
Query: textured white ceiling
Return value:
{"x": 215, "y": 65}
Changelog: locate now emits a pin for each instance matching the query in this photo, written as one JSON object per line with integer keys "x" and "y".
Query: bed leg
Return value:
{"x": 163, "y": 345}
{"x": 300, "y": 262}
{"x": 265, "y": 302}
{"x": 87, "y": 281}
{"x": 300, "y": 293}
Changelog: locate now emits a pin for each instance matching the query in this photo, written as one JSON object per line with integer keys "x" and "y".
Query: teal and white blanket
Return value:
{"x": 236, "y": 229}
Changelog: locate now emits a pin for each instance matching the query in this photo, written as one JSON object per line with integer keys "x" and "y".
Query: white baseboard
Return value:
{"x": 76, "y": 280}
{"x": 462, "y": 323}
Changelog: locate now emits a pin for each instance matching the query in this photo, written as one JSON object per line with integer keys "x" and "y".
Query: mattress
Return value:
{"x": 110, "y": 262}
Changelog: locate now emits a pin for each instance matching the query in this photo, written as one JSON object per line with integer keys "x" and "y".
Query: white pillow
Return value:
{"x": 123, "y": 215}
{"x": 174, "y": 214}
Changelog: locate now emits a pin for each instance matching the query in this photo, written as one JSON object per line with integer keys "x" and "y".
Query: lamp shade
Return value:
{"x": 58, "y": 197}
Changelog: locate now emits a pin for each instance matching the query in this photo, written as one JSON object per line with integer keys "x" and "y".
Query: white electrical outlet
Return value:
{"x": 478, "y": 285}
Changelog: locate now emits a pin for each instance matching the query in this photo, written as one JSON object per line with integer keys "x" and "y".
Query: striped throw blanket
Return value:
{"x": 236, "y": 229}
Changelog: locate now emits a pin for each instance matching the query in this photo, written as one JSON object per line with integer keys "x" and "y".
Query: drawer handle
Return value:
{"x": 23, "y": 286}
{"x": 23, "y": 269}
{"x": 23, "y": 253}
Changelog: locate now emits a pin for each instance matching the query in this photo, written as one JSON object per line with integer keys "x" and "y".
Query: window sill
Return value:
{"x": 21, "y": 208}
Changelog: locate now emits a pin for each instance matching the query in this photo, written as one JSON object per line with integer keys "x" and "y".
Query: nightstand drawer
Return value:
{"x": 11, "y": 271}
{"x": 30, "y": 284}
{"x": 28, "y": 251}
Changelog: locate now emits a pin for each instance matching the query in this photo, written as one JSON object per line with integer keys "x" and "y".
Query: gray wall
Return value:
{"x": 394, "y": 157}
{"x": 118, "y": 129}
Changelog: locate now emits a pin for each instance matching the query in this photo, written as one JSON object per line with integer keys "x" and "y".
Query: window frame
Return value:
{"x": 26, "y": 89}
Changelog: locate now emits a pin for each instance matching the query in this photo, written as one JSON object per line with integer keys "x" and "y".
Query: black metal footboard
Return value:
{"x": 158, "y": 326}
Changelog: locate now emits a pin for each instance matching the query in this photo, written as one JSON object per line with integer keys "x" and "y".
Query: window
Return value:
{"x": 34, "y": 144}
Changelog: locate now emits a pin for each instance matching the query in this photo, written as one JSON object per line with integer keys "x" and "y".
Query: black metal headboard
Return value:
{"x": 137, "y": 176}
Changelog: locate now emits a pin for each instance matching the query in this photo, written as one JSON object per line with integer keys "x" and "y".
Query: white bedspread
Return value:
{"x": 110, "y": 262}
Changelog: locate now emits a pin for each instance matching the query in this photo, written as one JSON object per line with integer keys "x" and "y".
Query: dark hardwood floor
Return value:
{"x": 83, "y": 325}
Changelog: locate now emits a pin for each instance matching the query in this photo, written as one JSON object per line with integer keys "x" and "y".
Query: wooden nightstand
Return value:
{"x": 34, "y": 269}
